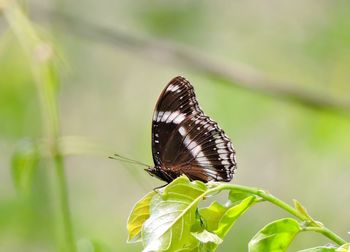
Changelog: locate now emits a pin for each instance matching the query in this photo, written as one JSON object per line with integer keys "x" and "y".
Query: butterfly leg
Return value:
{"x": 156, "y": 189}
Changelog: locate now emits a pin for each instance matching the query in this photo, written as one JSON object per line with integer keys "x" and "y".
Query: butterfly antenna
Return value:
{"x": 127, "y": 160}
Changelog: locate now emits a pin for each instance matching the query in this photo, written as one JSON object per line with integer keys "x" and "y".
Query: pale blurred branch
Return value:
{"x": 173, "y": 53}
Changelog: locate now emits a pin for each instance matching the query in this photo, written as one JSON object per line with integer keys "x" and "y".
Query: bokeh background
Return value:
{"x": 108, "y": 89}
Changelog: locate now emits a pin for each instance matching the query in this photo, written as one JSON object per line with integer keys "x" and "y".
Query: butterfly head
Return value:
{"x": 159, "y": 173}
{"x": 151, "y": 171}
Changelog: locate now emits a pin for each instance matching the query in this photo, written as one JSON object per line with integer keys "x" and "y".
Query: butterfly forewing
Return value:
{"x": 185, "y": 141}
{"x": 175, "y": 104}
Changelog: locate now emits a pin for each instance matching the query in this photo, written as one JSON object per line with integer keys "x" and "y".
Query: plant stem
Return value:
{"x": 63, "y": 197}
{"x": 326, "y": 232}
{"x": 269, "y": 197}
{"x": 41, "y": 56}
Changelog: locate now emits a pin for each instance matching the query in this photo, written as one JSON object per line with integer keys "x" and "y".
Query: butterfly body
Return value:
{"x": 186, "y": 141}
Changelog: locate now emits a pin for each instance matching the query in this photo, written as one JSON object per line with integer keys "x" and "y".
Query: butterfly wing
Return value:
{"x": 185, "y": 141}
{"x": 175, "y": 104}
{"x": 212, "y": 156}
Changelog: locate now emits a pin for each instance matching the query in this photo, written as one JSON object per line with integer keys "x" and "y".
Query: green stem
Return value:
{"x": 269, "y": 197}
{"x": 63, "y": 198}
{"x": 326, "y": 232}
{"x": 41, "y": 56}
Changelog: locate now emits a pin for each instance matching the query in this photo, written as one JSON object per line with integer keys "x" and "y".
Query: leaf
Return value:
{"x": 302, "y": 210}
{"x": 231, "y": 215}
{"x": 344, "y": 248}
{"x": 206, "y": 241}
{"x": 138, "y": 216}
{"x": 173, "y": 212}
{"x": 24, "y": 162}
{"x": 276, "y": 236}
{"x": 220, "y": 219}
{"x": 237, "y": 196}
{"x": 192, "y": 245}
{"x": 212, "y": 215}
{"x": 320, "y": 249}
{"x": 206, "y": 237}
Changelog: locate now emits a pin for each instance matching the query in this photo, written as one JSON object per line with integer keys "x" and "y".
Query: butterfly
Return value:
{"x": 187, "y": 142}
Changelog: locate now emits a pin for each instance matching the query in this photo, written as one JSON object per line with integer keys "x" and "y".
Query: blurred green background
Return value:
{"x": 108, "y": 91}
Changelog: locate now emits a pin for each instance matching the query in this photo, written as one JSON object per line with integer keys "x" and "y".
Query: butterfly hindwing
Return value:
{"x": 185, "y": 141}
{"x": 204, "y": 150}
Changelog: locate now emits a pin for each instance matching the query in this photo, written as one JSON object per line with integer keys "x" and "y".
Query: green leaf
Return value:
{"x": 237, "y": 196}
{"x": 231, "y": 215}
{"x": 173, "y": 212}
{"x": 220, "y": 219}
{"x": 320, "y": 249}
{"x": 192, "y": 245}
{"x": 208, "y": 241}
{"x": 344, "y": 248}
{"x": 275, "y": 236}
{"x": 24, "y": 162}
{"x": 302, "y": 210}
{"x": 212, "y": 215}
{"x": 138, "y": 216}
{"x": 206, "y": 237}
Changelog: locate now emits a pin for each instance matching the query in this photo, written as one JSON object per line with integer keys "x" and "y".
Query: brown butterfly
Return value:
{"x": 186, "y": 141}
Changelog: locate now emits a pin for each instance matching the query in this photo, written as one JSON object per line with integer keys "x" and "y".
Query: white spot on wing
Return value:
{"x": 172, "y": 116}
{"x": 225, "y": 162}
{"x": 179, "y": 119}
{"x": 196, "y": 150}
{"x": 182, "y": 131}
{"x": 192, "y": 145}
{"x": 200, "y": 157}
{"x": 169, "y": 116}
{"x": 173, "y": 88}
{"x": 165, "y": 116}
{"x": 159, "y": 116}
{"x": 221, "y": 151}
{"x": 187, "y": 141}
